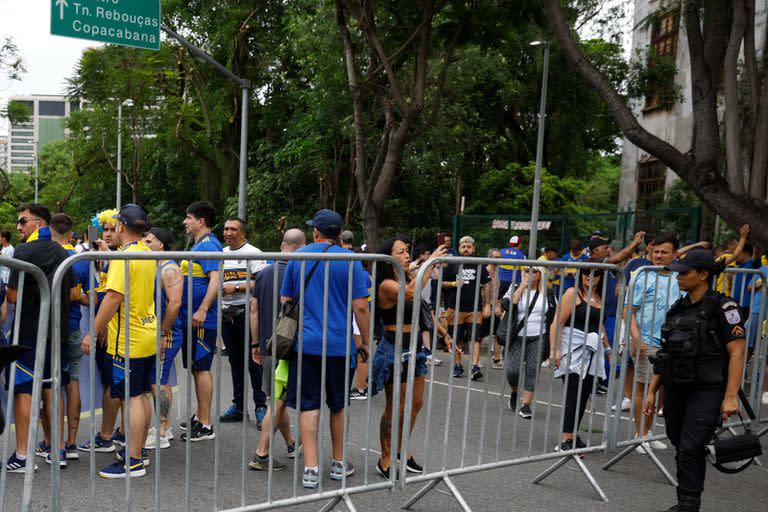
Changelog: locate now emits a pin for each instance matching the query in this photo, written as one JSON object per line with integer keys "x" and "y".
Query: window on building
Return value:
{"x": 51, "y": 108}
{"x": 664, "y": 35}
{"x": 22, "y": 148}
{"x": 651, "y": 177}
{"x": 27, "y": 133}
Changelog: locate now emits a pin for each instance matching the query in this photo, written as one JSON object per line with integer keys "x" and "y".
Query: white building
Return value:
{"x": 643, "y": 177}
{"x": 3, "y": 151}
{"x": 45, "y": 124}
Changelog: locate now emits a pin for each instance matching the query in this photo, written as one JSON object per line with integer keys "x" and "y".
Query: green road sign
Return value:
{"x": 126, "y": 22}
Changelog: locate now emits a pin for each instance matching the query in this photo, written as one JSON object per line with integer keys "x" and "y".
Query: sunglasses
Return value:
{"x": 23, "y": 221}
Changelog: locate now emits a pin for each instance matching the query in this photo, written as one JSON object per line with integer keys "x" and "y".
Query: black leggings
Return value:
{"x": 573, "y": 400}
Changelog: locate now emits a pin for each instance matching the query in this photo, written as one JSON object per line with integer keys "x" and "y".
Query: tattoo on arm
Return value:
{"x": 172, "y": 277}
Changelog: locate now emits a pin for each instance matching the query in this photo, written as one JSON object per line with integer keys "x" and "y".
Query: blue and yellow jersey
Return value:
{"x": 200, "y": 270}
{"x": 507, "y": 271}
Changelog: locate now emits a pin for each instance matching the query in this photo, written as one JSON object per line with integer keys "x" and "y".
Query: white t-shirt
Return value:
{"x": 5, "y": 272}
{"x": 235, "y": 273}
{"x": 537, "y": 319}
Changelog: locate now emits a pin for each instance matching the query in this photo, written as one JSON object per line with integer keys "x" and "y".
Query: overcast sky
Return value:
{"x": 49, "y": 59}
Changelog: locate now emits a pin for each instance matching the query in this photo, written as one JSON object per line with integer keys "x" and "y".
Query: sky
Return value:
{"x": 49, "y": 59}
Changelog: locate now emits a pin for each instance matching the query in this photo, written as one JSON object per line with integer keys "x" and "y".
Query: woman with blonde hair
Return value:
{"x": 523, "y": 330}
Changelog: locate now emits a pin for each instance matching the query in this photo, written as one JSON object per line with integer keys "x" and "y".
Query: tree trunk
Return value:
{"x": 731, "y": 91}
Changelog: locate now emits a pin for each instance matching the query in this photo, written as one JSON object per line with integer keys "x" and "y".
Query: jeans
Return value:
{"x": 233, "y": 334}
{"x": 692, "y": 413}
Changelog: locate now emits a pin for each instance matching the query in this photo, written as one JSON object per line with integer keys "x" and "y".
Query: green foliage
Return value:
{"x": 653, "y": 78}
{"x": 18, "y": 112}
{"x": 11, "y": 63}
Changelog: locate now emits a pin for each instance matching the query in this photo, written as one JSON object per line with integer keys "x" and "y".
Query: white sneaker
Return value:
{"x": 764, "y": 400}
{"x": 657, "y": 445}
{"x": 545, "y": 364}
{"x": 625, "y": 404}
{"x": 639, "y": 449}
{"x": 165, "y": 441}
{"x": 498, "y": 365}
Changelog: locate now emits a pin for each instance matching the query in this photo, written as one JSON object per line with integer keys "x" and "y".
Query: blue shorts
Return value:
{"x": 383, "y": 370}
{"x": 204, "y": 343}
{"x": 311, "y": 368}
{"x": 74, "y": 355}
{"x": 168, "y": 357}
{"x": 25, "y": 369}
{"x": 141, "y": 370}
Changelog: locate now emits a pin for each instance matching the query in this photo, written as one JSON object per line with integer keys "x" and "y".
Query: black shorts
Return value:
{"x": 204, "y": 343}
{"x": 104, "y": 365}
{"x": 25, "y": 369}
{"x": 142, "y": 369}
{"x": 311, "y": 367}
{"x": 486, "y": 328}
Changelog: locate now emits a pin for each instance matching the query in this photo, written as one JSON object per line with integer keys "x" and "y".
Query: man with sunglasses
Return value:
{"x": 38, "y": 249}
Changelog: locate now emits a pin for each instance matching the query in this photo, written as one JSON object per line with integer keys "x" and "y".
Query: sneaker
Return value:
{"x": 101, "y": 445}
{"x": 657, "y": 445}
{"x": 309, "y": 479}
{"x": 356, "y": 394}
{"x": 568, "y": 445}
{"x": 384, "y": 472}
{"x": 512, "y": 404}
{"x": 260, "y": 463}
{"x": 117, "y": 469}
{"x": 458, "y": 371}
{"x": 199, "y": 433}
{"x": 192, "y": 420}
{"x": 165, "y": 441}
{"x": 601, "y": 390}
{"x": 168, "y": 433}
{"x": 431, "y": 359}
{"x": 72, "y": 453}
{"x": 16, "y": 465}
{"x": 291, "y": 450}
{"x": 639, "y": 448}
{"x": 118, "y": 438}
{"x": 62, "y": 458}
{"x": 232, "y": 415}
{"x": 412, "y": 466}
{"x": 546, "y": 363}
{"x": 144, "y": 456}
{"x": 498, "y": 365}
{"x": 260, "y": 413}
{"x": 525, "y": 411}
{"x": 580, "y": 443}
{"x": 764, "y": 399}
{"x": 476, "y": 374}
{"x": 340, "y": 469}
{"x": 42, "y": 449}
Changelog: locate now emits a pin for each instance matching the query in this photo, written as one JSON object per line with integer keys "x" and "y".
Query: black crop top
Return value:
{"x": 389, "y": 315}
{"x": 580, "y": 317}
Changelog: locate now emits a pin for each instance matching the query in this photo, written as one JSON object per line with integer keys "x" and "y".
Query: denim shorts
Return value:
{"x": 75, "y": 353}
{"x": 383, "y": 370}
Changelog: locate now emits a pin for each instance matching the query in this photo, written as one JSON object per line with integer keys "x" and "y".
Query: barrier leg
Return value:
{"x": 331, "y": 505}
{"x": 424, "y": 490}
{"x": 456, "y": 494}
{"x": 554, "y": 467}
{"x": 431, "y": 485}
{"x": 348, "y": 502}
{"x": 591, "y": 478}
{"x": 617, "y": 458}
{"x": 659, "y": 465}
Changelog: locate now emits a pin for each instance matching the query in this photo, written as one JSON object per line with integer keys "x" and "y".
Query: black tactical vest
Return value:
{"x": 690, "y": 350}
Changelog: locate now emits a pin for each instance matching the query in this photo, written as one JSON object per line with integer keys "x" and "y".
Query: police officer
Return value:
{"x": 700, "y": 367}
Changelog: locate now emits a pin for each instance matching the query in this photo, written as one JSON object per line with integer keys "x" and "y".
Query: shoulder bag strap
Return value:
{"x": 312, "y": 272}
{"x": 530, "y": 308}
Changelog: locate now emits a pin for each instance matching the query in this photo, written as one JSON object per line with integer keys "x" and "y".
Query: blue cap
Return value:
{"x": 326, "y": 221}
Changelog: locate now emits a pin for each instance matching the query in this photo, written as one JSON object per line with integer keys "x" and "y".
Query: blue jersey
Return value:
{"x": 338, "y": 325}
{"x": 569, "y": 273}
{"x": 653, "y": 298}
{"x": 200, "y": 280}
{"x": 81, "y": 272}
{"x": 740, "y": 284}
{"x": 509, "y": 272}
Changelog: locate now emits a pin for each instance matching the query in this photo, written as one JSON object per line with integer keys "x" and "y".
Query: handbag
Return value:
{"x": 288, "y": 323}
{"x": 741, "y": 449}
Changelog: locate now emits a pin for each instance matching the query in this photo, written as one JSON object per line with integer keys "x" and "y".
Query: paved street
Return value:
{"x": 634, "y": 484}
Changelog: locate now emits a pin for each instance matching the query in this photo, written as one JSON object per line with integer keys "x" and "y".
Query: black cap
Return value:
{"x": 133, "y": 216}
{"x": 596, "y": 242}
{"x": 326, "y": 221}
{"x": 699, "y": 259}
{"x": 347, "y": 236}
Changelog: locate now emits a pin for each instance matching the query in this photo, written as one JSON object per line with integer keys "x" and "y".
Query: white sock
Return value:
{"x": 313, "y": 468}
{"x": 21, "y": 457}
{"x": 206, "y": 426}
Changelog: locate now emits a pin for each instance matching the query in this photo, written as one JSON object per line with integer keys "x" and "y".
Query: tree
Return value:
{"x": 716, "y": 31}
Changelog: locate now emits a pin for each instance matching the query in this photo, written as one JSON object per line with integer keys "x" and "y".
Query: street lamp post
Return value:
{"x": 119, "y": 185}
{"x": 539, "y": 152}
{"x": 37, "y": 165}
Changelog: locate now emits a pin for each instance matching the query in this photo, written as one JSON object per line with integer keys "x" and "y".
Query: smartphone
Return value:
{"x": 440, "y": 239}
{"x": 93, "y": 235}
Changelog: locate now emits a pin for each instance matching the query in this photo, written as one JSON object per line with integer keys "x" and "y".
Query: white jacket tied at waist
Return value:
{"x": 580, "y": 353}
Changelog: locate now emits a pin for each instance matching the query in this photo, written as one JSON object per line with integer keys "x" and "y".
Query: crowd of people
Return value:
{"x": 530, "y": 317}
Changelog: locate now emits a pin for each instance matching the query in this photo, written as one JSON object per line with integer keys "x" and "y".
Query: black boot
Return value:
{"x": 686, "y": 502}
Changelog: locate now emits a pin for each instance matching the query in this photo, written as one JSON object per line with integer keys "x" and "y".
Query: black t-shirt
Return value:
{"x": 263, "y": 291}
{"x": 47, "y": 255}
{"x": 470, "y": 278}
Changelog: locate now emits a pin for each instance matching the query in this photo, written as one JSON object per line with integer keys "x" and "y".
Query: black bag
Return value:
{"x": 741, "y": 448}
{"x": 288, "y": 323}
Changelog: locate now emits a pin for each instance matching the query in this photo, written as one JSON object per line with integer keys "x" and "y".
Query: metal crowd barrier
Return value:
{"x": 41, "y": 282}
{"x": 507, "y": 441}
{"x": 268, "y": 499}
{"x": 650, "y": 281}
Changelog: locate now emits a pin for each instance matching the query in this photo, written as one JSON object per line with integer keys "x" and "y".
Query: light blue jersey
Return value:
{"x": 653, "y": 298}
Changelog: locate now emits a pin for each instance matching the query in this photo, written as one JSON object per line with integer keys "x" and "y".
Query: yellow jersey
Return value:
{"x": 142, "y": 322}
